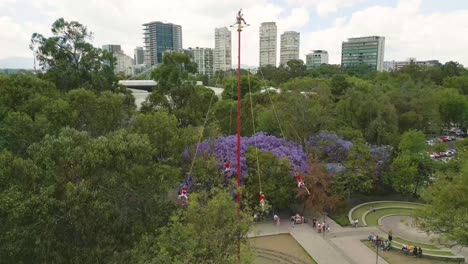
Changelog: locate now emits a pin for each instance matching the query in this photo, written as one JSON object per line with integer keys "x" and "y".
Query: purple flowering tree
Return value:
{"x": 329, "y": 147}
{"x": 382, "y": 158}
{"x": 224, "y": 149}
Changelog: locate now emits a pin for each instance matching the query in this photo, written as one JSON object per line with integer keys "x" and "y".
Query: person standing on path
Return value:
{"x": 292, "y": 220}
{"x": 390, "y": 236}
{"x": 356, "y": 222}
{"x": 276, "y": 219}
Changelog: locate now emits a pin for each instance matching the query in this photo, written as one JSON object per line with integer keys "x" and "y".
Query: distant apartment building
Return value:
{"x": 316, "y": 58}
{"x": 222, "y": 50}
{"x": 112, "y": 48}
{"x": 158, "y": 38}
{"x": 139, "y": 56}
{"x": 289, "y": 47}
{"x": 203, "y": 57}
{"x": 397, "y": 65}
{"x": 268, "y": 43}
{"x": 123, "y": 64}
{"x": 364, "y": 50}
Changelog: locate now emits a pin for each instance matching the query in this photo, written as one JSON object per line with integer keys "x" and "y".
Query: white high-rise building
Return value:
{"x": 203, "y": 57}
{"x": 268, "y": 43}
{"x": 290, "y": 41}
{"x": 222, "y": 50}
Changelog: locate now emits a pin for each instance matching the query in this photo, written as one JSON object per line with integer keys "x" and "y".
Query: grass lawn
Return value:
{"x": 397, "y": 257}
{"x": 373, "y": 218}
{"x": 403, "y": 241}
{"x": 359, "y": 212}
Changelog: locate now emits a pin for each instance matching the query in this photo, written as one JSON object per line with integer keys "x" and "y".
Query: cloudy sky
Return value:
{"x": 425, "y": 29}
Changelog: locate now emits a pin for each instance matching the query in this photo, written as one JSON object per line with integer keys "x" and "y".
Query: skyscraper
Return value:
{"x": 222, "y": 50}
{"x": 268, "y": 43}
{"x": 203, "y": 57}
{"x": 316, "y": 58}
{"x": 365, "y": 50}
{"x": 160, "y": 37}
{"x": 139, "y": 56}
{"x": 289, "y": 46}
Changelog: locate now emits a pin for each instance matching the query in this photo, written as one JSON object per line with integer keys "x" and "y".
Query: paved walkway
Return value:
{"x": 406, "y": 230}
{"x": 340, "y": 246}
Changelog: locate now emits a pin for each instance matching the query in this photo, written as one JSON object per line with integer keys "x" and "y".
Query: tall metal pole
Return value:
{"x": 238, "y": 170}
{"x": 377, "y": 251}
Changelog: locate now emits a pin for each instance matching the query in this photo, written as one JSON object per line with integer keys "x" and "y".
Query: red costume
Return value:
{"x": 299, "y": 180}
{"x": 184, "y": 192}
{"x": 262, "y": 200}
{"x": 227, "y": 167}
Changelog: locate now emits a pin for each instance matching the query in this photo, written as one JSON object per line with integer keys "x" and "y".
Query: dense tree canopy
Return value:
{"x": 85, "y": 177}
{"x": 71, "y": 60}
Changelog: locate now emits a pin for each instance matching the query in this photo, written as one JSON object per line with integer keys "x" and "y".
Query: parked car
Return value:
{"x": 449, "y": 153}
{"x": 430, "y": 142}
{"x": 444, "y": 139}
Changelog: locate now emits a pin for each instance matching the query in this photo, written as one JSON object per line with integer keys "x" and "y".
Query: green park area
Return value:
{"x": 87, "y": 176}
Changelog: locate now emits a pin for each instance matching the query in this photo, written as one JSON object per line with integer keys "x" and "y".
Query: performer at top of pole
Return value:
{"x": 240, "y": 18}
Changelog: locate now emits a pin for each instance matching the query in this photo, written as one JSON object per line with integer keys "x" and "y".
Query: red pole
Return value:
{"x": 238, "y": 171}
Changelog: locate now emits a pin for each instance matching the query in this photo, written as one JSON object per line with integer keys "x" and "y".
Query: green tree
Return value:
{"x": 247, "y": 82}
{"x": 70, "y": 60}
{"x": 296, "y": 68}
{"x": 453, "y": 107}
{"x": 98, "y": 113}
{"x": 412, "y": 168}
{"x": 174, "y": 71}
{"x": 413, "y": 141}
{"x": 275, "y": 179}
{"x": 190, "y": 104}
{"x": 273, "y": 74}
{"x": 93, "y": 196}
{"x": 339, "y": 85}
{"x": 208, "y": 231}
{"x": 448, "y": 210}
{"x": 161, "y": 130}
{"x": 359, "y": 174}
{"x": 458, "y": 82}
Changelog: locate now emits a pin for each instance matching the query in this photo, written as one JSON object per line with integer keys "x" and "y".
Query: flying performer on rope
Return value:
{"x": 300, "y": 181}
{"x": 184, "y": 192}
{"x": 262, "y": 200}
{"x": 227, "y": 167}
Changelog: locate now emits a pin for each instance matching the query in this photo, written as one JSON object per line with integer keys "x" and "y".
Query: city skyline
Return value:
{"x": 413, "y": 28}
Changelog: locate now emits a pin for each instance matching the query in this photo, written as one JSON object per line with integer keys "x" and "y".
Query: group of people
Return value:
{"x": 297, "y": 219}
{"x": 383, "y": 245}
{"x": 408, "y": 250}
{"x": 183, "y": 193}
{"x": 321, "y": 227}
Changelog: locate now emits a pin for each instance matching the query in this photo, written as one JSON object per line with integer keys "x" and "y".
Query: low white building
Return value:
{"x": 397, "y": 65}
{"x": 123, "y": 64}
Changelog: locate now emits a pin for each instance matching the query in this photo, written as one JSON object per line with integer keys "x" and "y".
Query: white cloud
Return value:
{"x": 11, "y": 35}
{"x": 326, "y": 7}
{"x": 408, "y": 33}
